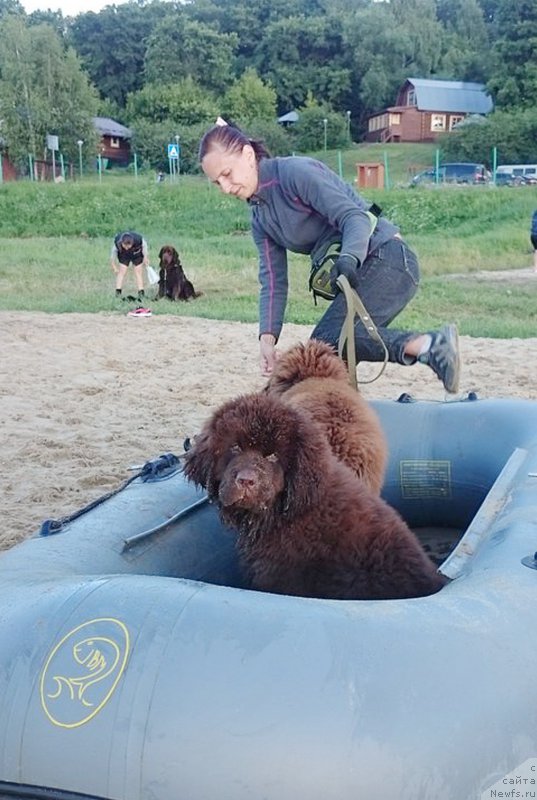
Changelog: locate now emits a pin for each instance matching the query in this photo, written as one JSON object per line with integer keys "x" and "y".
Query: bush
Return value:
{"x": 275, "y": 137}
{"x": 513, "y": 134}
{"x": 309, "y": 132}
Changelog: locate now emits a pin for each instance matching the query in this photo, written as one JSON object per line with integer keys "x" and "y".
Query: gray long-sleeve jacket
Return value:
{"x": 303, "y": 206}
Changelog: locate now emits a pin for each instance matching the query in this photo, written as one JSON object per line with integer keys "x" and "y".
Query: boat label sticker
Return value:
{"x": 82, "y": 671}
{"x": 421, "y": 479}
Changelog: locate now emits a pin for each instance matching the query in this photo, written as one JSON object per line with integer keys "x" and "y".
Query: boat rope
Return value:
{"x": 153, "y": 470}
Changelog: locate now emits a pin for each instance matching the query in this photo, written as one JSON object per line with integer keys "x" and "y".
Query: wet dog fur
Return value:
{"x": 306, "y": 524}
{"x": 312, "y": 377}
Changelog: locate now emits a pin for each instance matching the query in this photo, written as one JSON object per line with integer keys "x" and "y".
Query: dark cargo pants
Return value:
{"x": 386, "y": 282}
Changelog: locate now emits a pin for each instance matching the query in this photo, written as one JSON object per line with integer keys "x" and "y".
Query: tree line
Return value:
{"x": 168, "y": 68}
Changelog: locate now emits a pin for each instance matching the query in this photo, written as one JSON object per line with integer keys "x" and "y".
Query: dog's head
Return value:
{"x": 314, "y": 359}
{"x": 258, "y": 455}
{"x": 168, "y": 256}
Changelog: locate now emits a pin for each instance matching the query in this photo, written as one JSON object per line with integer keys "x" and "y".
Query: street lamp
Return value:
{"x": 325, "y": 123}
{"x": 349, "y": 125}
{"x": 80, "y": 143}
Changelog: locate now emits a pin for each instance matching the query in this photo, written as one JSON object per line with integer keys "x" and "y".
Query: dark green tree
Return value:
{"x": 181, "y": 47}
{"x": 275, "y": 137}
{"x": 43, "y": 90}
{"x": 304, "y": 54}
{"x": 249, "y": 20}
{"x": 55, "y": 19}
{"x": 385, "y": 48}
{"x": 150, "y": 142}
{"x": 184, "y": 103}
{"x": 489, "y": 8}
{"x": 248, "y": 99}
{"x": 10, "y": 7}
{"x": 318, "y": 125}
{"x": 420, "y": 32}
{"x": 513, "y": 82}
{"x": 513, "y": 135}
{"x": 112, "y": 46}
{"x": 465, "y": 44}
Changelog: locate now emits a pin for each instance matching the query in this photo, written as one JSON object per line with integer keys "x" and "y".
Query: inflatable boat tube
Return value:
{"x": 135, "y": 665}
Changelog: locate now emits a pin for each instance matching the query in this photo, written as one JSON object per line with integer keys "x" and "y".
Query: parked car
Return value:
{"x": 457, "y": 172}
{"x": 504, "y": 179}
{"x": 508, "y": 179}
{"x": 526, "y": 172}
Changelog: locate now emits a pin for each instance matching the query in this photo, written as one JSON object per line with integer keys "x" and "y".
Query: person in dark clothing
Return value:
{"x": 129, "y": 248}
{"x": 301, "y": 205}
{"x": 533, "y": 238}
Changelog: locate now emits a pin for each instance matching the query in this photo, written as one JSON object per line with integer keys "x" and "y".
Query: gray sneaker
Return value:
{"x": 443, "y": 357}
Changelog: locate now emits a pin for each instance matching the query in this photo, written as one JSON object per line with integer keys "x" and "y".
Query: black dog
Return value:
{"x": 173, "y": 282}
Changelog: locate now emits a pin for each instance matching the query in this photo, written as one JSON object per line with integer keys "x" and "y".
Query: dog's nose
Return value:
{"x": 246, "y": 477}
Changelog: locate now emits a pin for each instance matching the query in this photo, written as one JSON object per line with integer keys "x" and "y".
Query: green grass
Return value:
{"x": 55, "y": 242}
{"x": 499, "y": 310}
{"x": 399, "y": 161}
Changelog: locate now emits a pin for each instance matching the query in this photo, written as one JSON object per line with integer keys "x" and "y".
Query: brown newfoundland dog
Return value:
{"x": 306, "y": 524}
{"x": 312, "y": 377}
{"x": 173, "y": 282}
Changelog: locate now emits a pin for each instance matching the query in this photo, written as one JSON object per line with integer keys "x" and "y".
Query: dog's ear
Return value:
{"x": 161, "y": 252}
{"x": 199, "y": 462}
{"x": 303, "y": 476}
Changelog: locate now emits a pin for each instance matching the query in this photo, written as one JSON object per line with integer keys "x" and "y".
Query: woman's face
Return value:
{"x": 234, "y": 173}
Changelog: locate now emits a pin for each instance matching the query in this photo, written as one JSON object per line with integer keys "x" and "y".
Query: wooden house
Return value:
{"x": 115, "y": 141}
{"x": 426, "y": 108}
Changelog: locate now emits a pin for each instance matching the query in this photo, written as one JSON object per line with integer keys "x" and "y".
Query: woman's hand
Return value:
{"x": 268, "y": 353}
{"x": 346, "y": 265}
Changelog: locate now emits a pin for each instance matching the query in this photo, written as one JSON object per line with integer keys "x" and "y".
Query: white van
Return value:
{"x": 524, "y": 170}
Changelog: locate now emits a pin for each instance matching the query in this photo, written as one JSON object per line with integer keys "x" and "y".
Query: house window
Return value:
{"x": 114, "y": 141}
{"x": 411, "y": 98}
{"x": 438, "y": 122}
{"x": 454, "y": 120}
{"x": 395, "y": 119}
{"x": 378, "y": 122}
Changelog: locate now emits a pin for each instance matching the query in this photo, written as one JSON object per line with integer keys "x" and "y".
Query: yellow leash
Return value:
{"x": 355, "y": 307}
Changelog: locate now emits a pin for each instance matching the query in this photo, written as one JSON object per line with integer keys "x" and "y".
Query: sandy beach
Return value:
{"x": 87, "y": 396}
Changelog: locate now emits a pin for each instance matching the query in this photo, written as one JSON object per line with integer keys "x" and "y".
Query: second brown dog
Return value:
{"x": 313, "y": 378}
{"x": 173, "y": 282}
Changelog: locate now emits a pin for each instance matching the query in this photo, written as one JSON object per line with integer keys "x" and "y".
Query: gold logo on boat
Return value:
{"x": 83, "y": 670}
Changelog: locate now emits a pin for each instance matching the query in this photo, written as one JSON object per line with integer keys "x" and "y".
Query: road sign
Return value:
{"x": 53, "y": 142}
{"x": 173, "y": 150}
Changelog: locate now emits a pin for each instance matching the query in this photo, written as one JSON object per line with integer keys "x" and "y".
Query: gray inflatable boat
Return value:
{"x": 136, "y": 665}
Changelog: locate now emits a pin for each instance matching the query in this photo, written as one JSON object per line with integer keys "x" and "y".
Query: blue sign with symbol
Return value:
{"x": 173, "y": 150}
